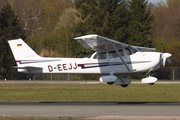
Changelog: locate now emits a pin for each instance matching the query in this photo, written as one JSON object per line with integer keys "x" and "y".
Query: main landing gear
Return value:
{"x": 110, "y": 83}
{"x": 124, "y": 82}
{"x": 112, "y": 79}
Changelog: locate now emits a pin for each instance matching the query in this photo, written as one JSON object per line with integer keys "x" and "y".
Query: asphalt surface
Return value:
{"x": 93, "y": 110}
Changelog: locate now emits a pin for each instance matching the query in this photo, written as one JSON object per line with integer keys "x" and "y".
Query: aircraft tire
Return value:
{"x": 151, "y": 83}
{"x": 125, "y": 85}
{"x": 110, "y": 83}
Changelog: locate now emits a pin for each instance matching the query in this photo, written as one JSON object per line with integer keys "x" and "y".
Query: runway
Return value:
{"x": 93, "y": 110}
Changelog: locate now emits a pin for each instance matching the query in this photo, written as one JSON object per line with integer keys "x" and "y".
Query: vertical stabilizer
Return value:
{"x": 22, "y": 51}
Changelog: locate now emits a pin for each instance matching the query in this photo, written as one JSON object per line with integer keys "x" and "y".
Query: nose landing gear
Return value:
{"x": 149, "y": 79}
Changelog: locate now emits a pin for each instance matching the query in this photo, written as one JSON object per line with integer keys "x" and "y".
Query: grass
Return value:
{"x": 89, "y": 93}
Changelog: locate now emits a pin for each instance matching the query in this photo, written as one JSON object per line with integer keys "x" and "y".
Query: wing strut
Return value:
{"x": 121, "y": 57}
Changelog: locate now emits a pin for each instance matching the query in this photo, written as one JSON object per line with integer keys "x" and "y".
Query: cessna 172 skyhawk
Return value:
{"x": 110, "y": 58}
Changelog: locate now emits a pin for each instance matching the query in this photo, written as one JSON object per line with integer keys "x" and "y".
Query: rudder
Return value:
{"x": 21, "y": 51}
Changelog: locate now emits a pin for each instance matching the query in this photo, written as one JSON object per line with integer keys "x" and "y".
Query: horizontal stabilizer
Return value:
{"x": 27, "y": 67}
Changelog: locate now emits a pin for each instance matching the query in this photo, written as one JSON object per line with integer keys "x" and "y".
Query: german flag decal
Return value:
{"x": 19, "y": 45}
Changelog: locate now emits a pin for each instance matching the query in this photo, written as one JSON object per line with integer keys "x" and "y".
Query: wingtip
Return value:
{"x": 86, "y": 36}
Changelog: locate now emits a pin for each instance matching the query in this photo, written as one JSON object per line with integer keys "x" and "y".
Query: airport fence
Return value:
{"x": 167, "y": 73}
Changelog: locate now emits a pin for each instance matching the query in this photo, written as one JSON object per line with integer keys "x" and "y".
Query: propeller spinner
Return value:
{"x": 165, "y": 57}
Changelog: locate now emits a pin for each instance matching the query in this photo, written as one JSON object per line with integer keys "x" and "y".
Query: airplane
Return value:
{"x": 110, "y": 58}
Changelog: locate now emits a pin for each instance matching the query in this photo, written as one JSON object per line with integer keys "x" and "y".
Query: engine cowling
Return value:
{"x": 108, "y": 78}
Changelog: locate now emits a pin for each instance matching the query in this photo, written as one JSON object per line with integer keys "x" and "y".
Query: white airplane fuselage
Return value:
{"x": 137, "y": 62}
{"x": 111, "y": 57}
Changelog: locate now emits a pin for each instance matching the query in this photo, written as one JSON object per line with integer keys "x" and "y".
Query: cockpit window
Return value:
{"x": 101, "y": 55}
{"x": 113, "y": 54}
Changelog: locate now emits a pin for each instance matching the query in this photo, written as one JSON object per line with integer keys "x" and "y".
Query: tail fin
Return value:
{"x": 22, "y": 51}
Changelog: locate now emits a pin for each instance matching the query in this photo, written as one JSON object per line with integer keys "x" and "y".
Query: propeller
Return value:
{"x": 165, "y": 57}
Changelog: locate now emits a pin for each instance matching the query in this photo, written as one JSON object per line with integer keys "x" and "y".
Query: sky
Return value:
{"x": 157, "y": 1}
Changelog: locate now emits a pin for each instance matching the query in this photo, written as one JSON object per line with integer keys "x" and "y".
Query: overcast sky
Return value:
{"x": 156, "y": 1}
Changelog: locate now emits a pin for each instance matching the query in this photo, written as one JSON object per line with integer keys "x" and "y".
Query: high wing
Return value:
{"x": 99, "y": 43}
{"x": 143, "y": 49}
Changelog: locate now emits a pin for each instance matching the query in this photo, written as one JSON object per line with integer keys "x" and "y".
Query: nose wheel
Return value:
{"x": 149, "y": 79}
{"x": 151, "y": 83}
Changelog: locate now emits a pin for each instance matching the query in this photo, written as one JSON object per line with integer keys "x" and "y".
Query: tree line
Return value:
{"x": 50, "y": 26}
